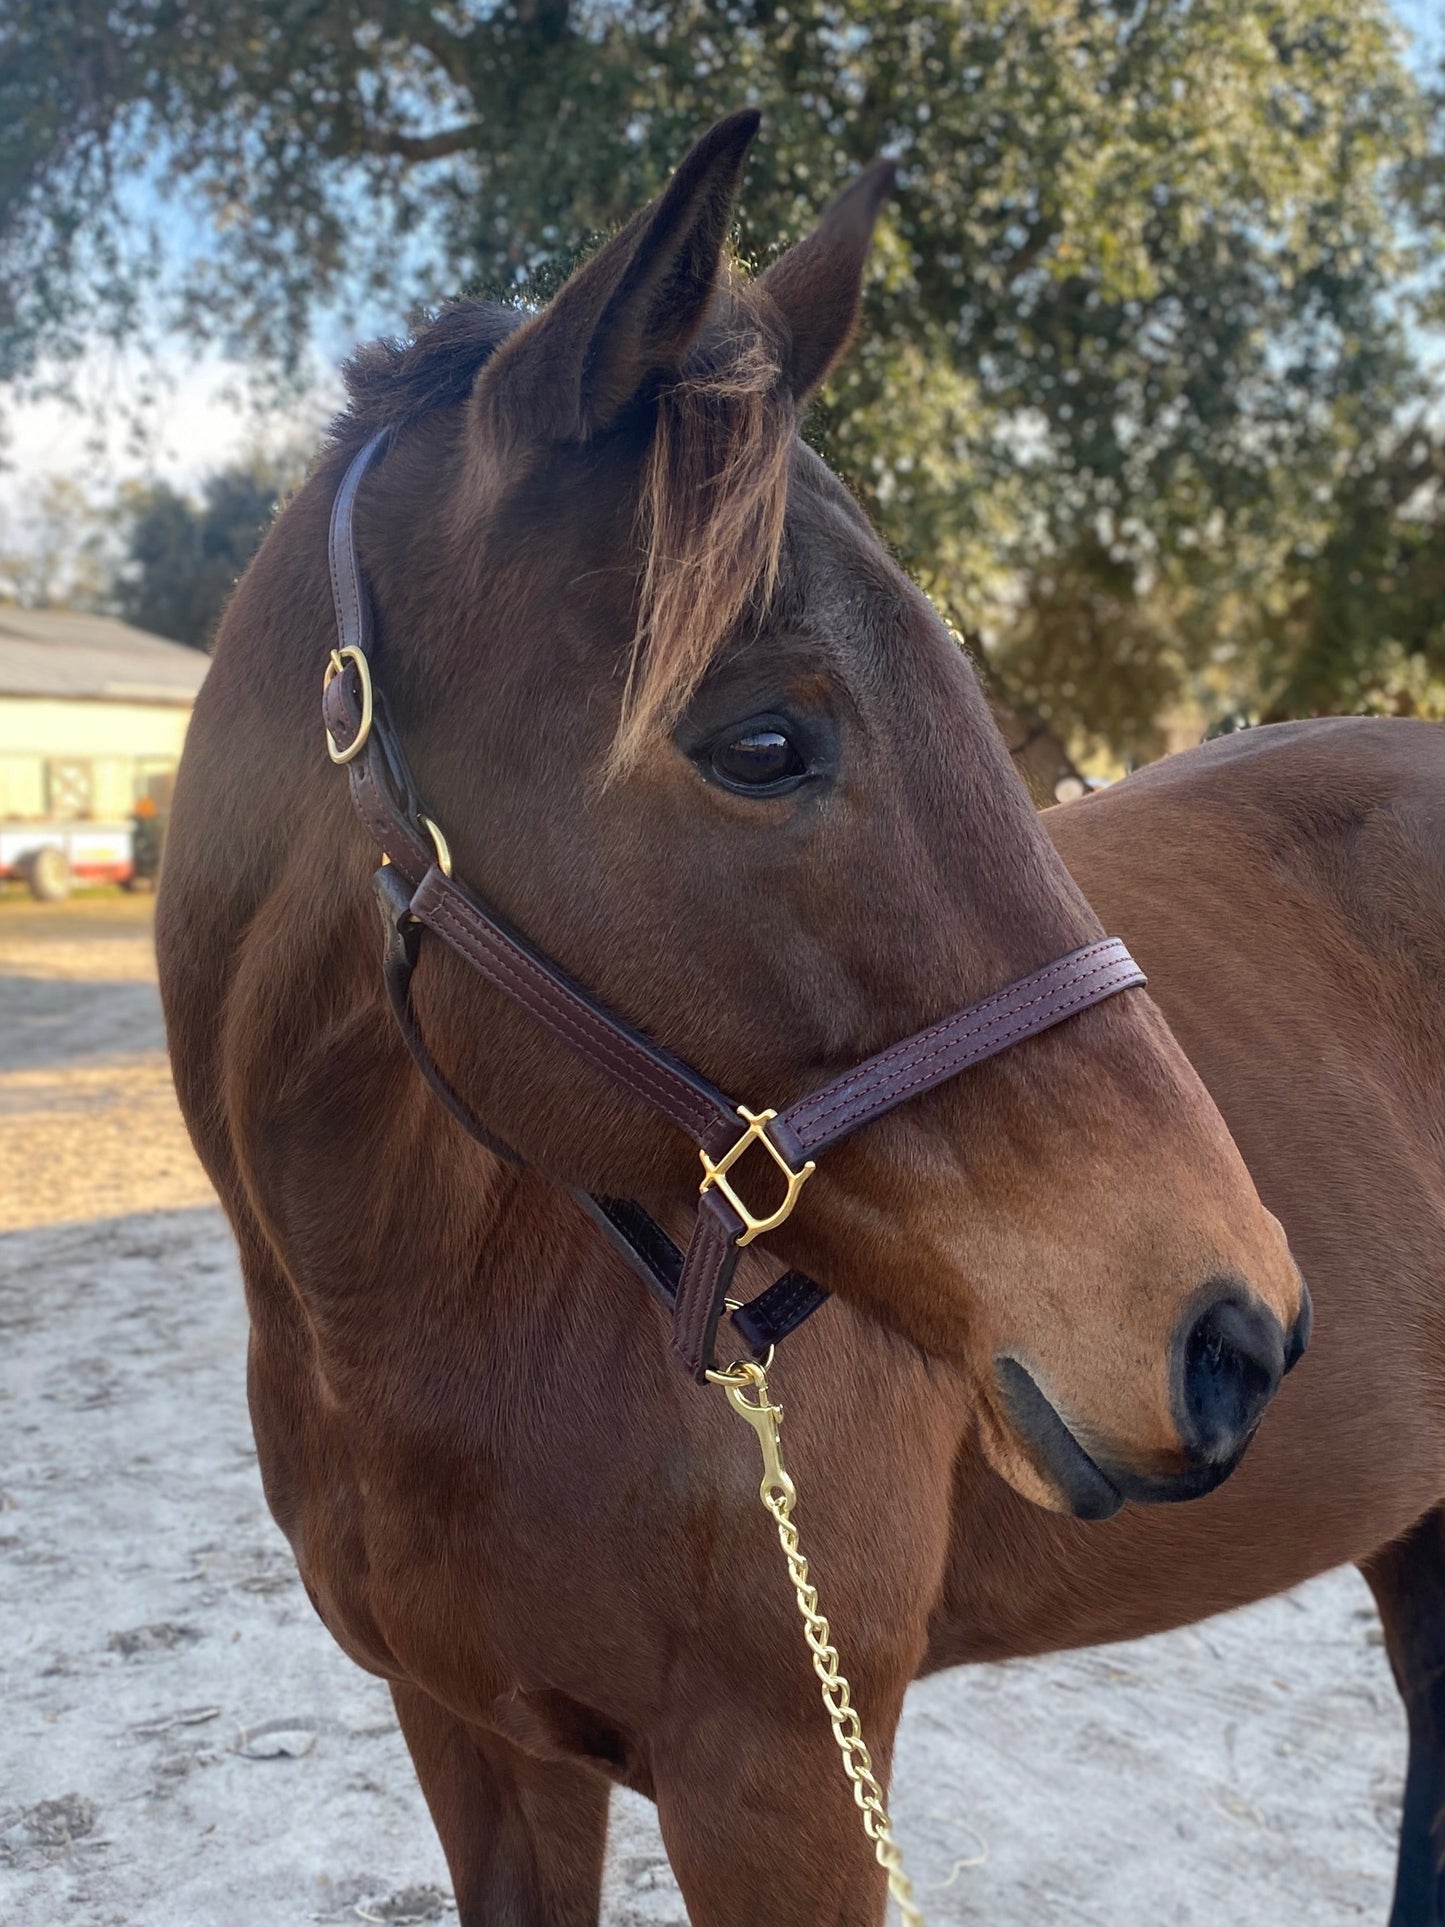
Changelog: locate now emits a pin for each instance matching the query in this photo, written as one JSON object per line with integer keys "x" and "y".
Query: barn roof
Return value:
{"x": 61, "y": 652}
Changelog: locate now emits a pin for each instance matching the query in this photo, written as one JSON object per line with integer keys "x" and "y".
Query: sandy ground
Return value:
{"x": 182, "y": 1746}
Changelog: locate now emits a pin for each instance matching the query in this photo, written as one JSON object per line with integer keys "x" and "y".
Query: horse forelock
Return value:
{"x": 713, "y": 487}
{"x": 710, "y": 510}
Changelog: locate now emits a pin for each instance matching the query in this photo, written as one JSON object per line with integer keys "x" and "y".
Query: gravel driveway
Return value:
{"x": 182, "y": 1746}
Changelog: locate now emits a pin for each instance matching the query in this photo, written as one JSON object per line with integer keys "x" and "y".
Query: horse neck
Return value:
{"x": 378, "y": 1203}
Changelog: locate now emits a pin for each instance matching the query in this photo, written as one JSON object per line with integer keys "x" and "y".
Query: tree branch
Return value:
{"x": 423, "y": 147}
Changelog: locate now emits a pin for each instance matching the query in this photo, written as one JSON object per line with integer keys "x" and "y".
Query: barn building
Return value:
{"x": 93, "y": 714}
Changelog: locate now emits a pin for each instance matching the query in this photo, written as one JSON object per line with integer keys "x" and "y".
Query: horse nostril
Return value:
{"x": 1233, "y": 1360}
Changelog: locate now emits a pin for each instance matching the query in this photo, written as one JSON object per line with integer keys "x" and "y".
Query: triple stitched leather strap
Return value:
{"x": 417, "y": 891}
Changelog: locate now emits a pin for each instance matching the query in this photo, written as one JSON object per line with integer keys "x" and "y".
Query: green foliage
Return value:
{"x": 183, "y": 557}
{"x": 56, "y": 552}
{"x": 1139, "y": 331}
{"x": 1364, "y": 628}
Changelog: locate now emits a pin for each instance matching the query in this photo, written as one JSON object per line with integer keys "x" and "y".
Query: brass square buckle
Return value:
{"x": 757, "y": 1132}
{"x": 338, "y": 662}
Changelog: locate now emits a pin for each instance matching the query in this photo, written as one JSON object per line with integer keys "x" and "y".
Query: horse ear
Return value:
{"x": 818, "y": 284}
{"x": 629, "y": 313}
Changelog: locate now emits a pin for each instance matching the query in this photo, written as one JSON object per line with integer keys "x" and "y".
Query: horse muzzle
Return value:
{"x": 1227, "y": 1363}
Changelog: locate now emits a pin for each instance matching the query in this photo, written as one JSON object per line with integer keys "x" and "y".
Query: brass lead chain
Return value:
{"x": 779, "y": 1495}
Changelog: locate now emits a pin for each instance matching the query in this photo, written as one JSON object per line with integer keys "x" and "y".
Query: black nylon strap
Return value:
{"x": 761, "y": 1323}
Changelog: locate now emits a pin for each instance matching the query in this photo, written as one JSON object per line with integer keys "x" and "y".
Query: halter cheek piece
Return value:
{"x": 417, "y": 892}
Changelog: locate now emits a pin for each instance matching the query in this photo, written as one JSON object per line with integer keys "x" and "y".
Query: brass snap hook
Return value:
{"x": 779, "y": 1495}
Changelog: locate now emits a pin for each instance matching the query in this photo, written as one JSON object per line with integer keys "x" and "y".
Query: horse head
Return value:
{"x": 689, "y": 726}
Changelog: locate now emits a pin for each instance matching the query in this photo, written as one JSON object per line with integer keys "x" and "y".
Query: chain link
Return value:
{"x": 779, "y": 1496}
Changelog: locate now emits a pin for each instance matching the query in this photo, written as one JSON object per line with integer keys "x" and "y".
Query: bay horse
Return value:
{"x": 1285, "y": 889}
{"x": 685, "y": 722}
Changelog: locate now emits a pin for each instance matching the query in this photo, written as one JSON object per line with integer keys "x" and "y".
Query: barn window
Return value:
{"x": 69, "y": 787}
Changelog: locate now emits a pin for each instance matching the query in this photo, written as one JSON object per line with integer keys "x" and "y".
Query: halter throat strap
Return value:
{"x": 417, "y": 893}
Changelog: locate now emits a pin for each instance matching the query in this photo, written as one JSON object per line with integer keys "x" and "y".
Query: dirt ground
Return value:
{"x": 182, "y": 1746}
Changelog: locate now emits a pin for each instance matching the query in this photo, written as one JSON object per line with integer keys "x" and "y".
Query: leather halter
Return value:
{"x": 417, "y": 892}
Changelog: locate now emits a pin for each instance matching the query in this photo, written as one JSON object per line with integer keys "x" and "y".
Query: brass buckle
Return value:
{"x": 338, "y": 662}
{"x": 716, "y": 1173}
{"x": 440, "y": 845}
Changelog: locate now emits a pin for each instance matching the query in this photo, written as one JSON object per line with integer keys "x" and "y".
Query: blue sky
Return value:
{"x": 201, "y": 420}
{"x": 1426, "y": 20}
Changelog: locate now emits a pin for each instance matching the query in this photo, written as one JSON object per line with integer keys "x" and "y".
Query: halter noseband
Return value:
{"x": 417, "y": 891}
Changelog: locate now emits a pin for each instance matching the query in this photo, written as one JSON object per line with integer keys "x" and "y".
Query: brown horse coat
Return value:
{"x": 500, "y": 1494}
{"x": 1285, "y": 890}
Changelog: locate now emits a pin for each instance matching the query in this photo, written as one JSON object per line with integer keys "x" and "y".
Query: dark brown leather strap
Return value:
{"x": 637, "y": 1237}
{"x": 391, "y": 825}
{"x": 712, "y": 1257}
{"x": 769, "y": 1318}
{"x": 401, "y": 945}
{"x": 641, "y": 1068}
{"x": 385, "y": 797}
{"x": 348, "y": 585}
{"x": 1034, "y": 1004}
{"x": 921, "y": 1063}
{"x": 761, "y": 1323}
{"x": 415, "y": 892}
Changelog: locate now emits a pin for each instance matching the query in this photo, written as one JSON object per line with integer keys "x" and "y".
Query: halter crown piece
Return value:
{"x": 417, "y": 892}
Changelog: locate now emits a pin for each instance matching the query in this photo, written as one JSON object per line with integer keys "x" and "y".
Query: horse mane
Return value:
{"x": 392, "y": 382}
{"x": 713, "y": 488}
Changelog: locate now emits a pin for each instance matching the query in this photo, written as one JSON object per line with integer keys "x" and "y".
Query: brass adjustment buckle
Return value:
{"x": 440, "y": 845}
{"x": 716, "y": 1173}
{"x": 338, "y": 662}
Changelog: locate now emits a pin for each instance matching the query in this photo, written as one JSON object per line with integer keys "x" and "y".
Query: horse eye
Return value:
{"x": 757, "y": 759}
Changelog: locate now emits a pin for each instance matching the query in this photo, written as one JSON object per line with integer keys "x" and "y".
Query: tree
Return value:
{"x": 1142, "y": 307}
{"x": 1364, "y": 625}
{"x": 183, "y": 557}
{"x": 57, "y": 551}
